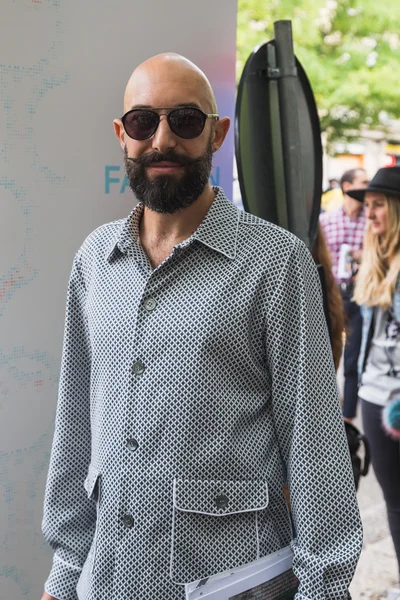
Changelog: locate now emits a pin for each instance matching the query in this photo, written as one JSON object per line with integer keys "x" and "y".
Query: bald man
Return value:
{"x": 197, "y": 379}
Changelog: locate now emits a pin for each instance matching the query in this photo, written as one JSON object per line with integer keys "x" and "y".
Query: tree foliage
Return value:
{"x": 350, "y": 50}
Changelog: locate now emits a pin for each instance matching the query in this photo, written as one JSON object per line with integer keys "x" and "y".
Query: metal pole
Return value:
{"x": 278, "y": 162}
{"x": 295, "y": 193}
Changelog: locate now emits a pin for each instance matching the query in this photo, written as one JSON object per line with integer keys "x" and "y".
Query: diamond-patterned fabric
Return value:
{"x": 188, "y": 395}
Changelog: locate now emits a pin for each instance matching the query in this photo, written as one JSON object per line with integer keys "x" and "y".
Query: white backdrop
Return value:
{"x": 63, "y": 69}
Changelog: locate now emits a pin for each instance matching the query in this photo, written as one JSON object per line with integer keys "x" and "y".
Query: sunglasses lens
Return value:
{"x": 140, "y": 124}
{"x": 187, "y": 123}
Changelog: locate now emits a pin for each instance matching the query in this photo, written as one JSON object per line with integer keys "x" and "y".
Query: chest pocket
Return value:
{"x": 215, "y": 526}
{"x": 92, "y": 483}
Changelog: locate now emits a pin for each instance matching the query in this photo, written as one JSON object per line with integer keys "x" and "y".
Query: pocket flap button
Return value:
{"x": 221, "y": 501}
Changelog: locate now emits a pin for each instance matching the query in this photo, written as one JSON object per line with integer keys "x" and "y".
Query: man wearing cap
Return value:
{"x": 197, "y": 379}
{"x": 344, "y": 232}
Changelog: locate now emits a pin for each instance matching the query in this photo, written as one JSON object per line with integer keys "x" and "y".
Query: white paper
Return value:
{"x": 226, "y": 585}
{"x": 345, "y": 260}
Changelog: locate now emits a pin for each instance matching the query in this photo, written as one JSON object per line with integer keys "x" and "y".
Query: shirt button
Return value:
{"x": 132, "y": 444}
{"x": 150, "y": 304}
{"x": 138, "y": 367}
{"x": 128, "y": 521}
{"x": 221, "y": 501}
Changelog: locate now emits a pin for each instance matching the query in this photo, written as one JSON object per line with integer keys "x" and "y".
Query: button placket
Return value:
{"x": 132, "y": 444}
{"x": 128, "y": 521}
{"x": 138, "y": 368}
{"x": 150, "y": 304}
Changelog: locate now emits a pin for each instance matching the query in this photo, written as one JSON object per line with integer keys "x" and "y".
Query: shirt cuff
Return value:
{"x": 62, "y": 581}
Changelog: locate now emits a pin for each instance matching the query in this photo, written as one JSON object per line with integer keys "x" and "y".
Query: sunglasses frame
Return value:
{"x": 167, "y": 115}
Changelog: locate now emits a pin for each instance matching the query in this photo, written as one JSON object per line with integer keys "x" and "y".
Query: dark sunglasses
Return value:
{"x": 186, "y": 122}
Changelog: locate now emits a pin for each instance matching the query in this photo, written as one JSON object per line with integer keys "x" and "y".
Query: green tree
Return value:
{"x": 350, "y": 50}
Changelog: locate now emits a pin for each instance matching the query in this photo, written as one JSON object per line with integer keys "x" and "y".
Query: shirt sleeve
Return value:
{"x": 69, "y": 515}
{"x": 311, "y": 435}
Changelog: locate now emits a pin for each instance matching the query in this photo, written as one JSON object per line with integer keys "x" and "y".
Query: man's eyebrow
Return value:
{"x": 181, "y": 105}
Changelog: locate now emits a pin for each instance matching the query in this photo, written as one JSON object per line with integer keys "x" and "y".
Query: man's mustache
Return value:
{"x": 157, "y": 157}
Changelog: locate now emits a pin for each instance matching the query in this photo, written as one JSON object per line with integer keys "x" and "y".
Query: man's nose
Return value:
{"x": 163, "y": 139}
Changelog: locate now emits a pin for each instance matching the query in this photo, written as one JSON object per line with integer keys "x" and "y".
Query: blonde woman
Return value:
{"x": 378, "y": 292}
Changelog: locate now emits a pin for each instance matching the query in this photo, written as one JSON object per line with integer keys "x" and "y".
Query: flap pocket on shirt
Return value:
{"x": 218, "y": 498}
{"x": 215, "y": 526}
{"x": 90, "y": 482}
{"x": 92, "y": 486}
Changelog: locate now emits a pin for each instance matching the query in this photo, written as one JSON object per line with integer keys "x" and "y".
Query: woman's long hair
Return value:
{"x": 321, "y": 255}
{"x": 380, "y": 266}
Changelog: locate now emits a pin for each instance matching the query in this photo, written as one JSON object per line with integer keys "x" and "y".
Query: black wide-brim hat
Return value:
{"x": 386, "y": 181}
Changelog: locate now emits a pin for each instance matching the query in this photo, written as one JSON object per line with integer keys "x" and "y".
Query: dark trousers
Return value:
{"x": 351, "y": 352}
{"x": 385, "y": 458}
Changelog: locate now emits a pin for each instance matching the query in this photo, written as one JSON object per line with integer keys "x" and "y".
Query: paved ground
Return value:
{"x": 377, "y": 569}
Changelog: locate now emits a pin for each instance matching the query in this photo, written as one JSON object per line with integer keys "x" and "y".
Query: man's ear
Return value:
{"x": 119, "y": 132}
{"x": 346, "y": 186}
{"x": 221, "y": 128}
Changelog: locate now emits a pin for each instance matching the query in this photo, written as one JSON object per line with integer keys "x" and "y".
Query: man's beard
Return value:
{"x": 167, "y": 193}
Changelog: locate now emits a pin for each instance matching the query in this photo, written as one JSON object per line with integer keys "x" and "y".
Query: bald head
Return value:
{"x": 168, "y": 80}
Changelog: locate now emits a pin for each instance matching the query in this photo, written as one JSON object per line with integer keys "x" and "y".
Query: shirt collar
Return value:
{"x": 218, "y": 230}
{"x": 128, "y": 234}
{"x": 356, "y": 218}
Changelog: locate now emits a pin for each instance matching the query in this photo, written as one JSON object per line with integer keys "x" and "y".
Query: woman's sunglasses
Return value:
{"x": 187, "y": 122}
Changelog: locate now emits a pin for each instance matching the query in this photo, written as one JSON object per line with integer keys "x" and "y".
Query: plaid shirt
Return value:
{"x": 340, "y": 229}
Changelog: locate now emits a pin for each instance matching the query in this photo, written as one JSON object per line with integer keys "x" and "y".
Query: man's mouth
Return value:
{"x": 165, "y": 166}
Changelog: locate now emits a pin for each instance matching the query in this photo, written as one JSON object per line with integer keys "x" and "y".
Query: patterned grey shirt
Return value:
{"x": 188, "y": 395}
